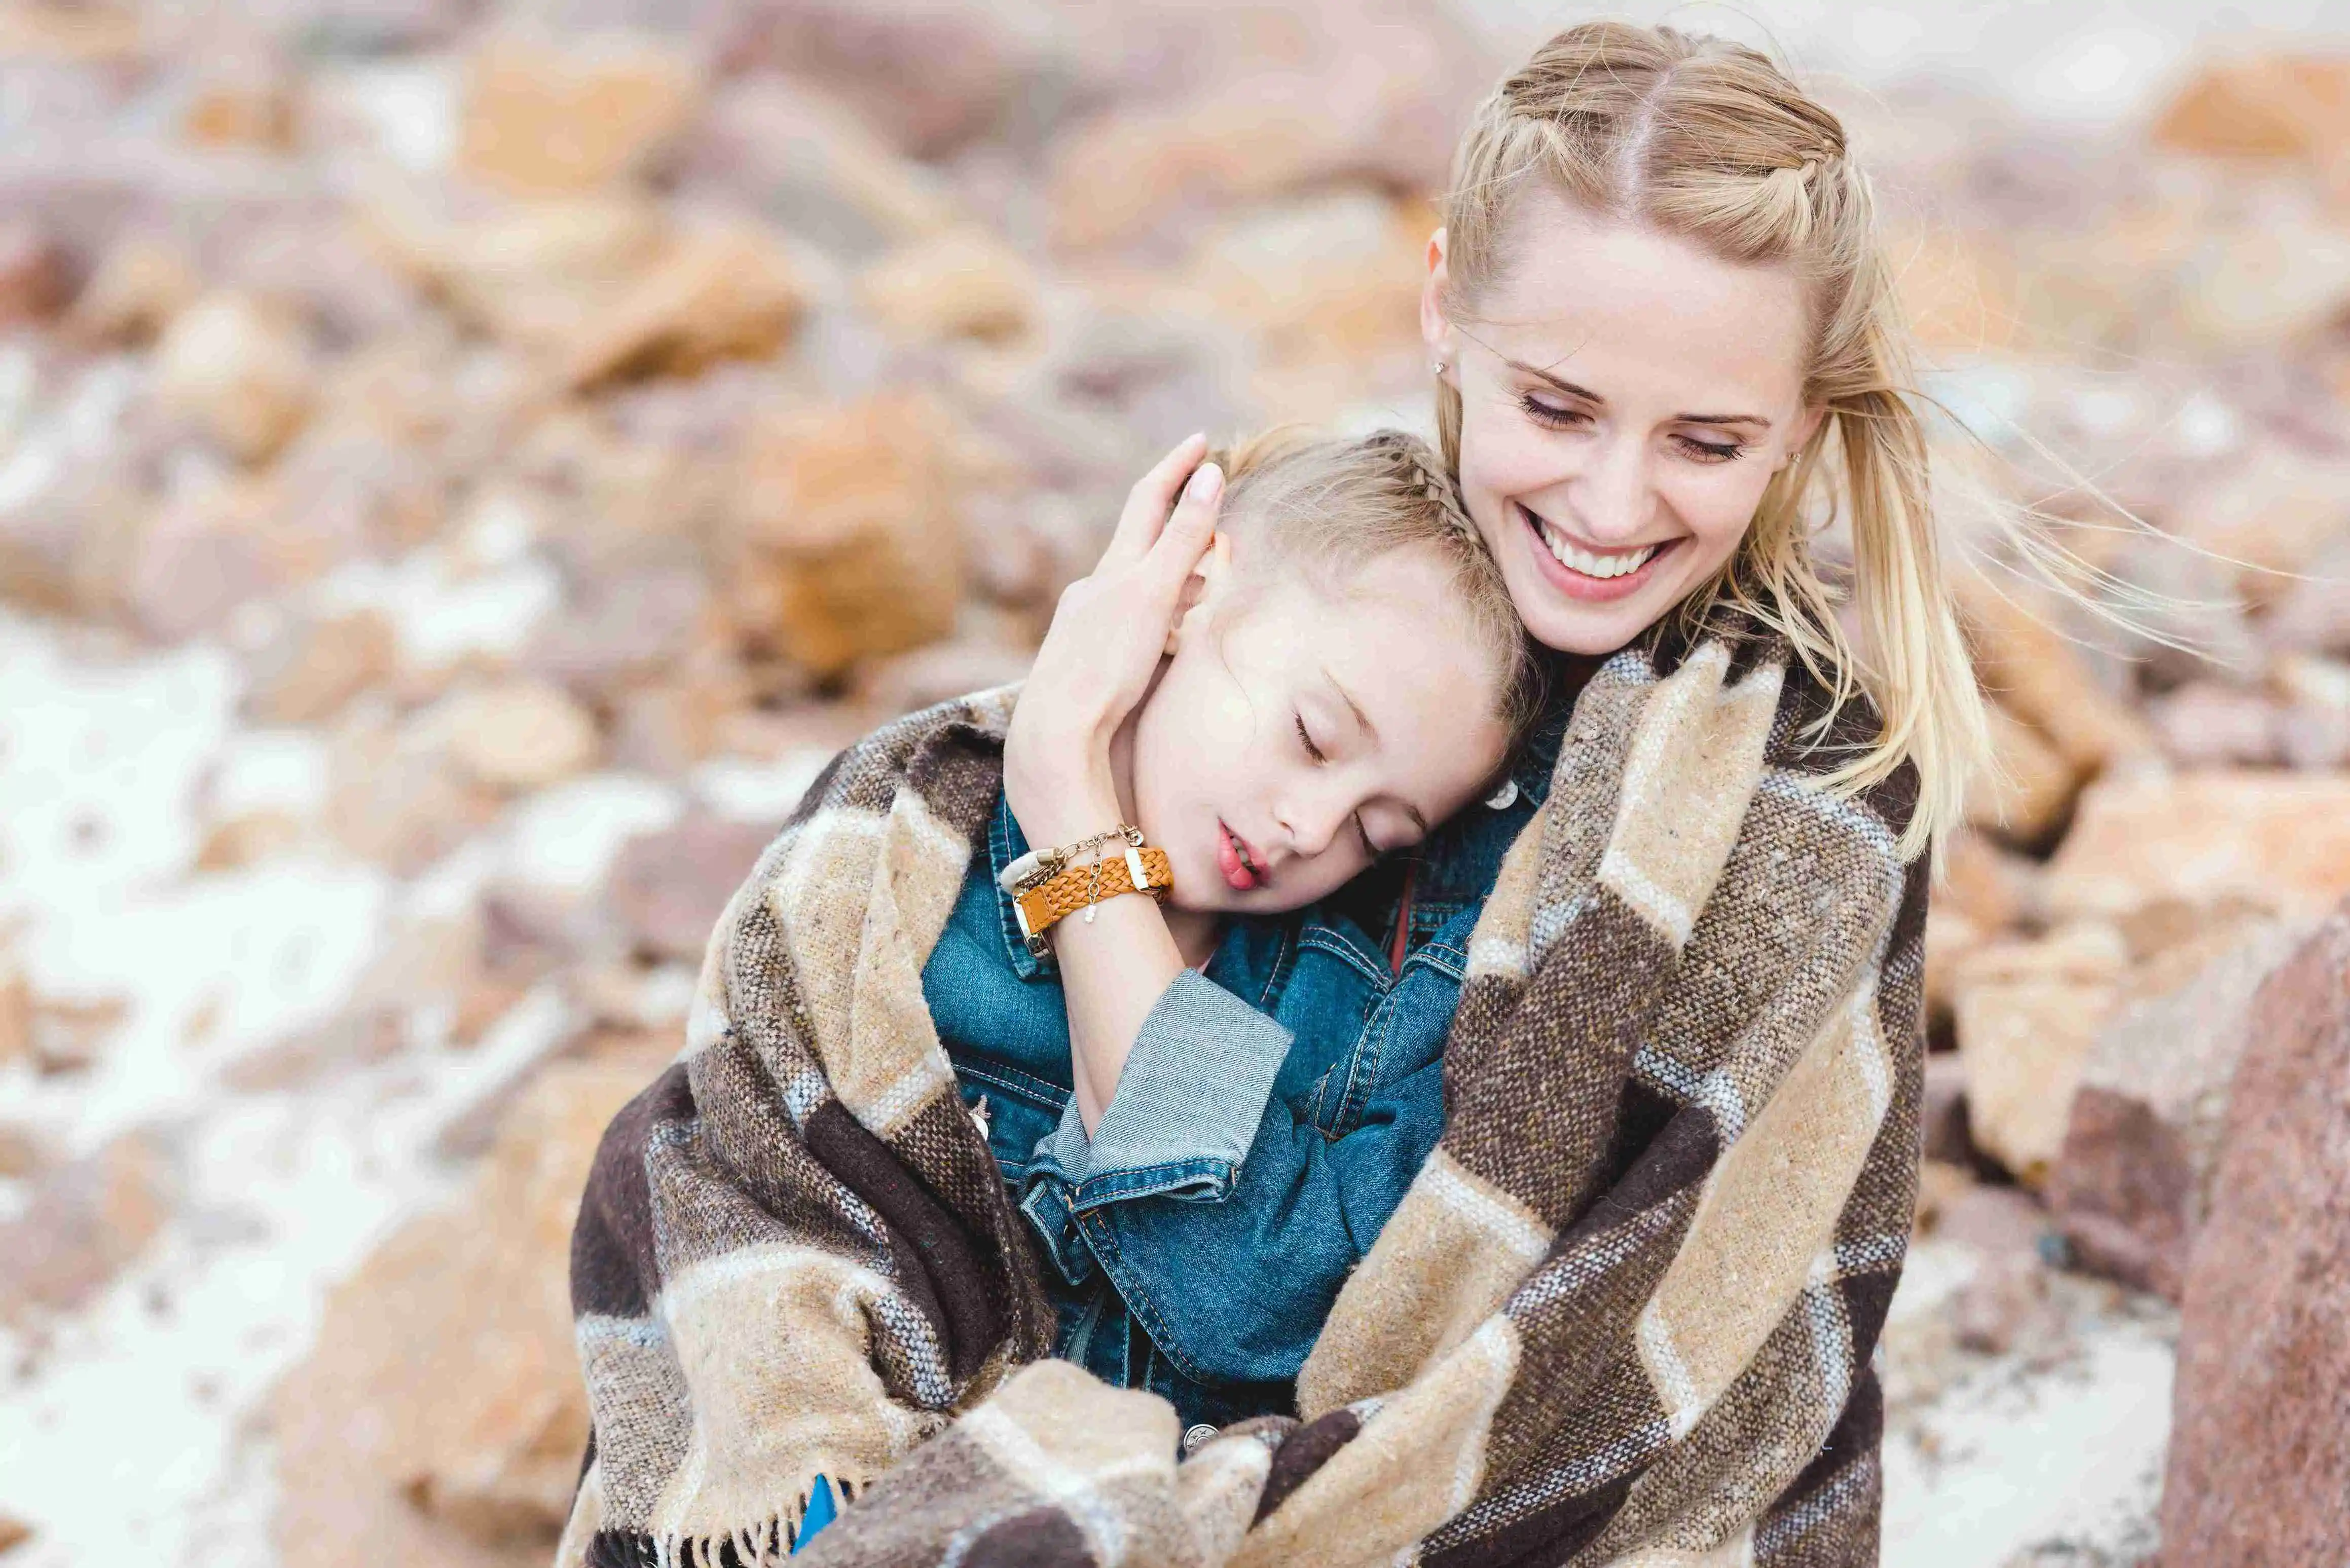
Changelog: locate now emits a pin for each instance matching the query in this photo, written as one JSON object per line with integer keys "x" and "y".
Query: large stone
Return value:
{"x": 669, "y": 887}
{"x": 2206, "y": 839}
{"x": 2132, "y": 1184}
{"x": 2040, "y": 676}
{"x": 35, "y": 274}
{"x": 2260, "y": 1449}
{"x": 2261, "y": 106}
{"x": 928, "y": 76}
{"x": 241, "y": 369}
{"x": 314, "y": 674}
{"x": 963, "y": 284}
{"x": 540, "y": 120}
{"x": 2206, "y": 723}
{"x": 721, "y": 293}
{"x": 774, "y": 146}
{"x": 852, "y": 543}
{"x": 2271, "y": 518}
{"x": 82, "y": 1224}
{"x": 2027, "y": 1013}
{"x": 520, "y": 735}
{"x": 140, "y": 284}
{"x": 2027, "y": 792}
{"x": 441, "y": 1417}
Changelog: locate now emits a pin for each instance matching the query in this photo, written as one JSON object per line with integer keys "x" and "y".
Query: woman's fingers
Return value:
{"x": 1190, "y": 526}
{"x": 1153, "y": 493}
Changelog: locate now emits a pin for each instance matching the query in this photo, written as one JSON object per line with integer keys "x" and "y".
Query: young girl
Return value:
{"x": 1348, "y": 673}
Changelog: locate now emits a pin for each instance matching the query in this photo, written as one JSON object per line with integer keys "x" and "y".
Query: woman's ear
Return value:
{"x": 1202, "y": 593}
{"x": 1807, "y": 425}
{"x": 1435, "y": 328}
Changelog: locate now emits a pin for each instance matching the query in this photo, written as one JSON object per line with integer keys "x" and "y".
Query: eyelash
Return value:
{"x": 1315, "y": 751}
{"x": 1557, "y": 418}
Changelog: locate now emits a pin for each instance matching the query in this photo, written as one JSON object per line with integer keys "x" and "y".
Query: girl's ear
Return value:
{"x": 1202, "y": 593}
{"x": 1435, "y": 329}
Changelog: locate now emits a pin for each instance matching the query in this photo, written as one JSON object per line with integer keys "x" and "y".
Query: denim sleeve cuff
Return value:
{"x": 1187, "y": 1105}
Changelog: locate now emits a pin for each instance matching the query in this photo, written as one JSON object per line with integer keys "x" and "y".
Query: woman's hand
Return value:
{"x": 1108, "y": 633}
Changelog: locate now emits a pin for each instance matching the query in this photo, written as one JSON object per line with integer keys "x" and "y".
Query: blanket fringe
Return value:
{"x": 764, "y": 1544}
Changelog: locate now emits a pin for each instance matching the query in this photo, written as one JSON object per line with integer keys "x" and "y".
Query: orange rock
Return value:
{"x": 442, "y": 1417}
{"x": 2274, "y": 841}
{"x": 520, "y": 735}
{"x": 241, "y": 369}
{"x": 720, "y": 294}
{"x": 2040, "y": 676}
{"x": 539, "y": 120}
{"x": 338, "y": 660}
{"x": 2027, "y": 1015}
{"x": 1959, "y": 291}
{"x": 16, "y": 1013}
{"x": 962, "y": 283}
{"x": 853, "y": 546}
{"x": 83, "y": 1223}
{"x": 2265, "y": 106}
{"x": 140, "y": 285}
{"x": 2026, "y": 794}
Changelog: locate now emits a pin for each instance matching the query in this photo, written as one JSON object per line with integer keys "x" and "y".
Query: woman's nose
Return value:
{"x": 1611, "y": 496}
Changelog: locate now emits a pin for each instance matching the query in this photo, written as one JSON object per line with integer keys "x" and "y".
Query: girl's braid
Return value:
{"x": 1428, "y": 475}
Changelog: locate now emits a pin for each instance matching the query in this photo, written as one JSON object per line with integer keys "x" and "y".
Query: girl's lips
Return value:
{"x": 1234, "y": 861}
{"x": 1581, "y": 585}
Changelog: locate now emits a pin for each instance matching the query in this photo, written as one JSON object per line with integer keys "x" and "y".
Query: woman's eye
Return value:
{"x": 1710, "y": 451}
{"x": 1554, "y": 415}
{"x": 1307, "y": 741}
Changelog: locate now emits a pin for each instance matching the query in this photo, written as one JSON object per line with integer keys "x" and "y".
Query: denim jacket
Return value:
{"x": 1270, "y": 1117}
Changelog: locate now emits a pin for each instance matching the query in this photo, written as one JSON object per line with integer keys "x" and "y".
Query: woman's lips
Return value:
{"x": 1234, "y": 860}
{"x": 1582, "y": 584}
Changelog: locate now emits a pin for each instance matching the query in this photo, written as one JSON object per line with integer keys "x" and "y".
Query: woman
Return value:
{"x": 1626, "y": 1309}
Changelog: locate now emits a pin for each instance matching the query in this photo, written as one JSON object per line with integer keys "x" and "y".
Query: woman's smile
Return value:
{"x": 1586, "y": 573}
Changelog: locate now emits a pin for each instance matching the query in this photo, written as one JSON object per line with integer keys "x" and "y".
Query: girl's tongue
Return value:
{"x": 1237, "y": 874}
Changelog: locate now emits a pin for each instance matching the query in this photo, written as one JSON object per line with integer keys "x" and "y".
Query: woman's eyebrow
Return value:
{"x": 1588, "y": 395}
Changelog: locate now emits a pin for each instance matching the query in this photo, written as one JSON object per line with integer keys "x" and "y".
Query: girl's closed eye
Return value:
{"x": 1306, "y": 741}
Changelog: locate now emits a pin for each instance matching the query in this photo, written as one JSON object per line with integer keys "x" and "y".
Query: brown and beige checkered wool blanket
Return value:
{"x": 1625, "y": 1316}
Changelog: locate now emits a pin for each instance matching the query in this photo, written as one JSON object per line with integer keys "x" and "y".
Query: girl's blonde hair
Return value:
{"x": 1707, "y": 140}
{"x": 1327, "y": 506}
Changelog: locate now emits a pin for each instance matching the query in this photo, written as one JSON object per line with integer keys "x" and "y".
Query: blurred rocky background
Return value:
{"x": 463, "y": 468}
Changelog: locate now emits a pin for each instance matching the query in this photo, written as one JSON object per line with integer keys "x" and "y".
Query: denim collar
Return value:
{"x": 1253, "y": 961}
{"x": 1564, "y": 675}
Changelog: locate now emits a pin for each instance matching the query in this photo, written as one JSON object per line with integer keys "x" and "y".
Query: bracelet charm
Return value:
{"x": 1047, "y": 888}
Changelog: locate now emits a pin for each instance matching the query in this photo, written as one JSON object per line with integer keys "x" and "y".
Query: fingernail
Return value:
{"x": 1206, "y": 479}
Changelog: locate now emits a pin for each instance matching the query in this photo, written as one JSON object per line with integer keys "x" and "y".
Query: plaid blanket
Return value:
{"x": 1625, "y": 1316}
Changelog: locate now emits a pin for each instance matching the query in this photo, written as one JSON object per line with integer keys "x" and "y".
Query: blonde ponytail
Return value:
{"x": 1707, "y": 140}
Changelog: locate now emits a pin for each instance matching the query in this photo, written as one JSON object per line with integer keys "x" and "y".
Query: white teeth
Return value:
{"x": 1589, "y": 564}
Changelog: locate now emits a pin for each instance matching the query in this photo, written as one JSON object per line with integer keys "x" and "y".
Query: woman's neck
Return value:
{"x": 1195, "y": 931}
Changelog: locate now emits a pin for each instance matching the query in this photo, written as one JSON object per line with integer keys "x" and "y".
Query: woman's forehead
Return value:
{"x": 1590, "y": 298}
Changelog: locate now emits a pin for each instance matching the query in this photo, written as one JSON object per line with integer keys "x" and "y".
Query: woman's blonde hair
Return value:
{"x": 1327, "y": 506}
{"x": 1707, "y": 140}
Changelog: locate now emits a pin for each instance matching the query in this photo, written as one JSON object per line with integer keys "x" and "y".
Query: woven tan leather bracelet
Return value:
{"x": 1055, "y": 900}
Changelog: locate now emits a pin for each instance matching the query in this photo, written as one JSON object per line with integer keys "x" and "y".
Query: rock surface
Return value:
{"x": 2133, "y": 1181}
{"x": 442, "y": 1419}
{"x": 2259, "y": 1462}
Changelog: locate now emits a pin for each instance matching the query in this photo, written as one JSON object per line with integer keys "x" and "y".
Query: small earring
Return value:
{"x": 1439, "y": 370}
